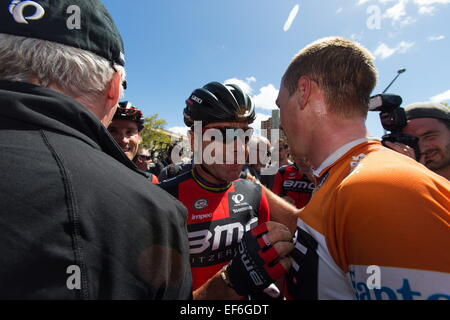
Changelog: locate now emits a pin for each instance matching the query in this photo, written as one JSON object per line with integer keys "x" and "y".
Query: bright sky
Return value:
{"x": 173, "y": 47}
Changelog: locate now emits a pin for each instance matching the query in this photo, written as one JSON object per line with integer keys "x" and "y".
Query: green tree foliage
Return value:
{"x": 153, "y": 136}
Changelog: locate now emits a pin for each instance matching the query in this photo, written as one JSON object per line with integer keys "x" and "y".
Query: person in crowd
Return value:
{"x": 80, "y": 221}
{"x": 295, "y": 183}
{"x": 377, "y": 226}
{"x": 126, "y": 128}
{"x": 143, "y": 159}
{"x": 284, "y": 154}
{"x": 260, "y": 153}
{"x": 174, "y": 169}
{"x": 228, "y": 219}
{"x": 430, "y": 123}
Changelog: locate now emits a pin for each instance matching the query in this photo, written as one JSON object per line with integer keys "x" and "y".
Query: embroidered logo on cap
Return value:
{"x": 17, "y": 7}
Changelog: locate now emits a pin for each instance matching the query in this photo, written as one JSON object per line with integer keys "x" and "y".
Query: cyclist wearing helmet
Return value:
{"x": 126, "y": 128}
{"x": 221, "y": 209}
{"x": 295, "y": 184}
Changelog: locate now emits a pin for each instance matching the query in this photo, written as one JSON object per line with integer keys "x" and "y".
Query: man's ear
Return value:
{"x": 114, "y": 90}
{"x": 110, "y": 100}
{"x": 304, "y": 87}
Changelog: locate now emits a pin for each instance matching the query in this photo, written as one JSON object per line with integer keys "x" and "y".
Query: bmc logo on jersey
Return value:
{"x": 298, "y": 185}
{"x": 221, "y": 237}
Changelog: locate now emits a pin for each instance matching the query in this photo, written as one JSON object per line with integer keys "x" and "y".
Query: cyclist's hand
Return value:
{"x": 261, "y": 258}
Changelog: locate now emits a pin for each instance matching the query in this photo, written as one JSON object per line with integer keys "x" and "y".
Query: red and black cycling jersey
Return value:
{"x": 153, "y": 179}
{"x": 217, "y": 219}
{"x": 289, "y": 181}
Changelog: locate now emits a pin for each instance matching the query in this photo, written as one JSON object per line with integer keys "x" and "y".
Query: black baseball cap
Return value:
{"x": 427, "y": 110}
{"x": 83, "y": 24}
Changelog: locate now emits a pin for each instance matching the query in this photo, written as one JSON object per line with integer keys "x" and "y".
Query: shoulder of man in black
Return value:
{"x": 171, "y": 185}
{"x": 173, "y": 170}
{"x": 68, "y": 179}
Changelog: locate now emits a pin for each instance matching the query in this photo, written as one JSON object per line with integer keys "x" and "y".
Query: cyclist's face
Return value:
{"x": 127, "y": 135}
{"x": 233, "y": 154}
{"x": 434, "y": 142}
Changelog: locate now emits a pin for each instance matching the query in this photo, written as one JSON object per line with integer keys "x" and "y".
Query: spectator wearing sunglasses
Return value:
{"x": 126, "y": 128}
{"x": 223, "y": 211}
{"x": 284, "y": 154}
{"x": 144, "y": 161}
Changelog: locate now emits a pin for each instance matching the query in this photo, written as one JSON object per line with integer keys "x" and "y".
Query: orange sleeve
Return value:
{"x": 392, "y": 221}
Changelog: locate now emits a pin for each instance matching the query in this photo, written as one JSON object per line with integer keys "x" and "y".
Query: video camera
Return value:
{"x": 393, "y": 119}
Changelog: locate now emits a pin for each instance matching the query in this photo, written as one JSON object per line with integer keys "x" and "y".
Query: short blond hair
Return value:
{"x": 343, "y": 69}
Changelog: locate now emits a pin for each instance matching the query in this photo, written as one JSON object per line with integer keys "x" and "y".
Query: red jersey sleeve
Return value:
{"x": 277, "y": 187}
{"x": 264, "y": 211}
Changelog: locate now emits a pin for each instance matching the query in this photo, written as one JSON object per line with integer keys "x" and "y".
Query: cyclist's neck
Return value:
{"x": 208, "y": 179}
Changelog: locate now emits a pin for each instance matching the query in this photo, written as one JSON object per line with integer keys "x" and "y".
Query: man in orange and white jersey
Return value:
{"x": 378, "y": 224}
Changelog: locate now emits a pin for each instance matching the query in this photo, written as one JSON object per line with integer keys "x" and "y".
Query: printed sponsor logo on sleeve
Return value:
{"x": 387, "y": 283}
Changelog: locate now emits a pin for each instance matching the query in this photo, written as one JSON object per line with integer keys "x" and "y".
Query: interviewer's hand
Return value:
{"x": 402, "y": 148}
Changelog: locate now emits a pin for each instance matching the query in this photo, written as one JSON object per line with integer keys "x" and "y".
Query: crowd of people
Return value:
{"x": 338, "y": 203}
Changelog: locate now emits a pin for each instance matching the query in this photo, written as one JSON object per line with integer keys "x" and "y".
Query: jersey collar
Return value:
{"x": 336, "y": 155}
{"x": 206, "y": 185}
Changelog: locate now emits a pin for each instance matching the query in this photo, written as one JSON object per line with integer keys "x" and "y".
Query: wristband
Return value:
{"x": 223, "y": 275}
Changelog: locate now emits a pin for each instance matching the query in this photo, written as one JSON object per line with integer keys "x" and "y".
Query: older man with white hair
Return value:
{"x": 79, "y": 221}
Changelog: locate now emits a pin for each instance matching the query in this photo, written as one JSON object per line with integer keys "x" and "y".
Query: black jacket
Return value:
{"x": 173, "y": 170}
{"x": 71, "y": 200}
